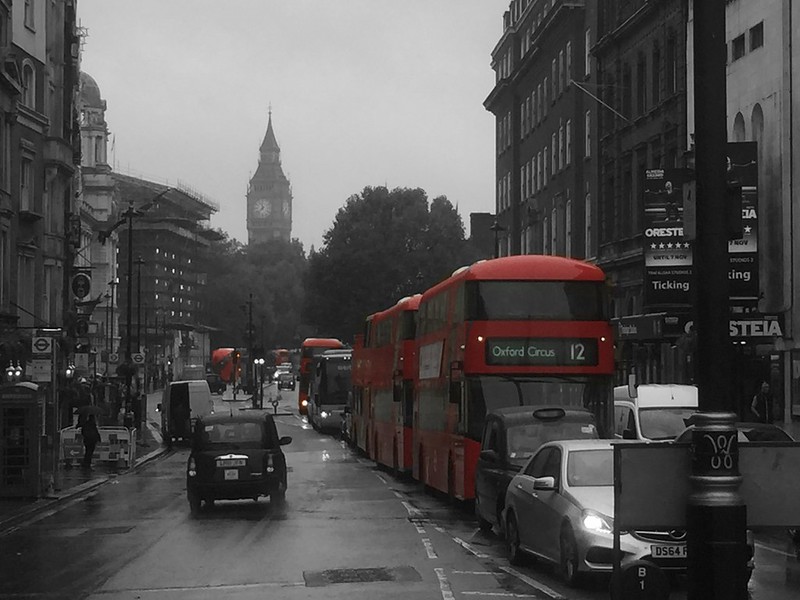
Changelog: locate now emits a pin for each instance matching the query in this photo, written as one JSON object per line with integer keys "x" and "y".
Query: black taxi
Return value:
{"x": 236, "y": 456}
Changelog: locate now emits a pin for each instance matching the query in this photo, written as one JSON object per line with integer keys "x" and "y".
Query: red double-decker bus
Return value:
{"x": 309, "y": 349}
{"x": 519, "y": 330}
{"x": 386, "y": 415}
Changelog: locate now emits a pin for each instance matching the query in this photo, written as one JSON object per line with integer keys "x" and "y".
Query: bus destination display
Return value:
{"x": 563, "y": 352}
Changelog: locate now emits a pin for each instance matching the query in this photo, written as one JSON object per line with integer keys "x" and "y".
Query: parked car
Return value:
{"x": 286, "y": 380}
{"x": 560, "y": 507}
{"x": 653, "y": 411}
{"x": 236, "y": 456}
{"x": 215, "y": 383}
{"x": 510, "y": 437}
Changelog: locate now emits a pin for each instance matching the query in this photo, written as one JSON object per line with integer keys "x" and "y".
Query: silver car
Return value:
{"x": 560, "y": 508}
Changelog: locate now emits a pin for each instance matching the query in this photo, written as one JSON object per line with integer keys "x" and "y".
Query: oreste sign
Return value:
{"x": 564, "y": 352}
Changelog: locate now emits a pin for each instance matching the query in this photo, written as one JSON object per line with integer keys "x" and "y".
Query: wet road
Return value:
{"x": 348, "y": 530}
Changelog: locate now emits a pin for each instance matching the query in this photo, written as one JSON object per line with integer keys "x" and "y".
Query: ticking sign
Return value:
{"x": 137, "y": 358}
{"x": 42, "y": 345}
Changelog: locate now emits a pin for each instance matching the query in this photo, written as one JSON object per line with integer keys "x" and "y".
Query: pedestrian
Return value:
{"x": 761, "y": 406}
{"x": 91, "y": 436}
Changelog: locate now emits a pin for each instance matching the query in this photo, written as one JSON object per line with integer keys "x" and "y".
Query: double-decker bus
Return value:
{"x": 309, "y": 350}
{"x": 390, "y": 418}
{"x": 330, "y": 389}
{"x": 512, "y": 331}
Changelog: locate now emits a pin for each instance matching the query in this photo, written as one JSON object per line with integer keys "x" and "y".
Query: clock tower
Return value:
{"x": 269, "y": 195}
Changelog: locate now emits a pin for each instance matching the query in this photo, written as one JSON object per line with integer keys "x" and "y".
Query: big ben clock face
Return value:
{"x": 262, "y": 208}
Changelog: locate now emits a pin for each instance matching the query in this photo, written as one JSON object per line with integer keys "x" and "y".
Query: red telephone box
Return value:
{"x": 21, "y": 419}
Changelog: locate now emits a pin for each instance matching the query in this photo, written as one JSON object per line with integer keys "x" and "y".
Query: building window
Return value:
{"x": 568, "y": 229}
{"x": 29, "y": 18}
{"x": 534, "y": 178}
{"x": 546, "y": 236}
{"x": 562, "y": 71}
{"x": 587, "y": 134}
{"x": 568, "y": 149}
{"x": 26, "y": 184}
{"x": 587, "y": 57}
{"x": 568, "y": 69}
{"x": 28, "y": 86}
{"x": 4, "y": 267}
{"x": 553, "y": 80}
{"x": 554, "y": 232}
{"x": 561, "y": 147}
{"x": 757, "y": 36}
{"x": 26, "y": 279}
{"x": 627, "y": 91}
{"x": 737, "y": 47}
{"x": 534, "y": 112}
{"x": 539, "y": 176}
{"x": 553, "y": 154}
{"x": 544, "y": 100}
{"x": 671, "y": 68}
{"x": 544, "y": 167}
{"x": 587, "y": 215}
{"x": 641, "y": 85}
{"x": 656, "y": 70}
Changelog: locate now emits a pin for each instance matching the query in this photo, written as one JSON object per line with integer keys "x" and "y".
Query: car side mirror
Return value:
{"x": 489, "y": 456}
{"x": 628, "y": 434}
{"x": 158, "y": 407}
{"x": 287, "y": 439}
{"x": 544, "y": 483}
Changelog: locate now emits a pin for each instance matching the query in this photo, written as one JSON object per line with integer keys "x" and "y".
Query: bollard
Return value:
{"x": 716, "y": 516}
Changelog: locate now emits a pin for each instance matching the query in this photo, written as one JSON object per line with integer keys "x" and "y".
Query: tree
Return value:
{"x": 383, "y": 245}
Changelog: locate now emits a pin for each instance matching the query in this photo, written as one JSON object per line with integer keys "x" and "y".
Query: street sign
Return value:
{"x": 82, "y": 326}
{"x": 113, "y": 357}
{"x": 42, "y": 345}
{"x": 137, "y": 358}
{"x": 41, "y": 370}
{"x": 81, "y": 285}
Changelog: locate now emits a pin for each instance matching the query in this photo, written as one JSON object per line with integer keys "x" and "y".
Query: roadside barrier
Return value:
{"x": 117, "y": 445}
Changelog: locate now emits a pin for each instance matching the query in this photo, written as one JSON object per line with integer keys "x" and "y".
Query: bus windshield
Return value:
{"x": 335, "y": 381}
{"x": 536, "y": 300}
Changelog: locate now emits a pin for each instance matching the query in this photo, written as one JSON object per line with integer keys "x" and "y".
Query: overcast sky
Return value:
{"x": 363, "y": 92}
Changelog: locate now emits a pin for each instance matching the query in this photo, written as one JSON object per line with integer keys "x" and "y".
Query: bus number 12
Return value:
{"x": 577, "y": 352}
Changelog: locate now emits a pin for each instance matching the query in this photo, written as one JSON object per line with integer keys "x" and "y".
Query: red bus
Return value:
{"x": 518, "y": 330}
{"x": 391, "y": 351}
{"x": 281, "y": 356}
{"x": 309, "y": 349}
{"x": 362, "y": 374}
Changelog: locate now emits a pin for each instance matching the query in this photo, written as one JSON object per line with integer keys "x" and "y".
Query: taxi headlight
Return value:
{"x": 594, "y": 521}
{"x": 323, "y": 414}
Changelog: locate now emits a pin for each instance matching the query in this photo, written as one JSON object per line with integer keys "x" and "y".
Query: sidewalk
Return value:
{"x": 73, "y": 481}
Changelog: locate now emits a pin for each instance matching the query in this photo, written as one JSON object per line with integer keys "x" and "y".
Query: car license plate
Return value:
{"x": 231, "y": 474}
{"x": 231, "y": 462}
{"x": 658, "y": 551}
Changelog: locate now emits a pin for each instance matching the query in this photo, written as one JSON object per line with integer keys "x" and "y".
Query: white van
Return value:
{"x": 181, "y": 404}
{"x": 653, "y": 411}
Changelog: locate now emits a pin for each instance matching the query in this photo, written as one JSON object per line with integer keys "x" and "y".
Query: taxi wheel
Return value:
{"x": 569, "y": 557}
{"x": 194, "y": 502}
{"x": 279, "y": 497}
{"x": 515, "y": 555}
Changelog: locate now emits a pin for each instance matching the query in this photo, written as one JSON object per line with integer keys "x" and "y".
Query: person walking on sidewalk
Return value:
{"x": 761, "y": 406}
{"x": 91, "y": 436}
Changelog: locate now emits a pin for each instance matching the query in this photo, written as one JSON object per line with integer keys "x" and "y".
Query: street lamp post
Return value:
{"x": 258, "y": 395}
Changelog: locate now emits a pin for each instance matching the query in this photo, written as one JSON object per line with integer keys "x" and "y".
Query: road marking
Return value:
{"x": 429, "y": 548}
{"x": 444, "y": 585}
{"x": 379, "y": 476}
{"x": 473, "y": 572}
{"x": 500, "y": 594}
{"x": 398, "y": 494}
{"x": 412, "y": 511}
{"x": 534, "y": 584}
{"x": 469, "y": 548}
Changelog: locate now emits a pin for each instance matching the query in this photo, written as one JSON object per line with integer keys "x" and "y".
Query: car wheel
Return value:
{"x": 515, "y": 555}
{"x": 484, "y": 525}
{"x": 568, "y": 561}
{"x": 194, "y": 502}
{"x": 279, "y": 497}
{"x": 499, "y": 517}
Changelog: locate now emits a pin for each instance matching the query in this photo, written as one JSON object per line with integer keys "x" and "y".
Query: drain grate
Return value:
{"x": 363, "y": 575}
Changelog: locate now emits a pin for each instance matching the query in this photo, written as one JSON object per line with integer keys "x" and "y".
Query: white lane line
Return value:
{"x": 420, "y": 529}
{"x": 429, "y": 548}
{"x": 398, "y": 494}
{"x": 761, "y": 546}
{"x": 444, "y": 585}
{"x": 534, "y": 584}
{"x": 498, "y": 594}
{"x": 412, "y": 511}
{"x": 379, "y": 476}
{"x": 473, "y": 572}
{"x": 469, "y": 548}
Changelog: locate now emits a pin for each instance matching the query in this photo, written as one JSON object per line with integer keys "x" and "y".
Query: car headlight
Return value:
{"x": 594, "y": 521}
{"x": 323, "y": 414}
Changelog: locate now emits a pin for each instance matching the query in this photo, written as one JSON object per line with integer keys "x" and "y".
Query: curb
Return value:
{"x": 48, "y": 503}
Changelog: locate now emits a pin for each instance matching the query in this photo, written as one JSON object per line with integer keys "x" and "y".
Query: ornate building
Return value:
{"x": 269, "y": 195}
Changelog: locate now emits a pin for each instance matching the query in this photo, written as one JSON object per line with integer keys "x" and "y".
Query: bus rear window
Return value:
{"x": 536, "y": 300}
